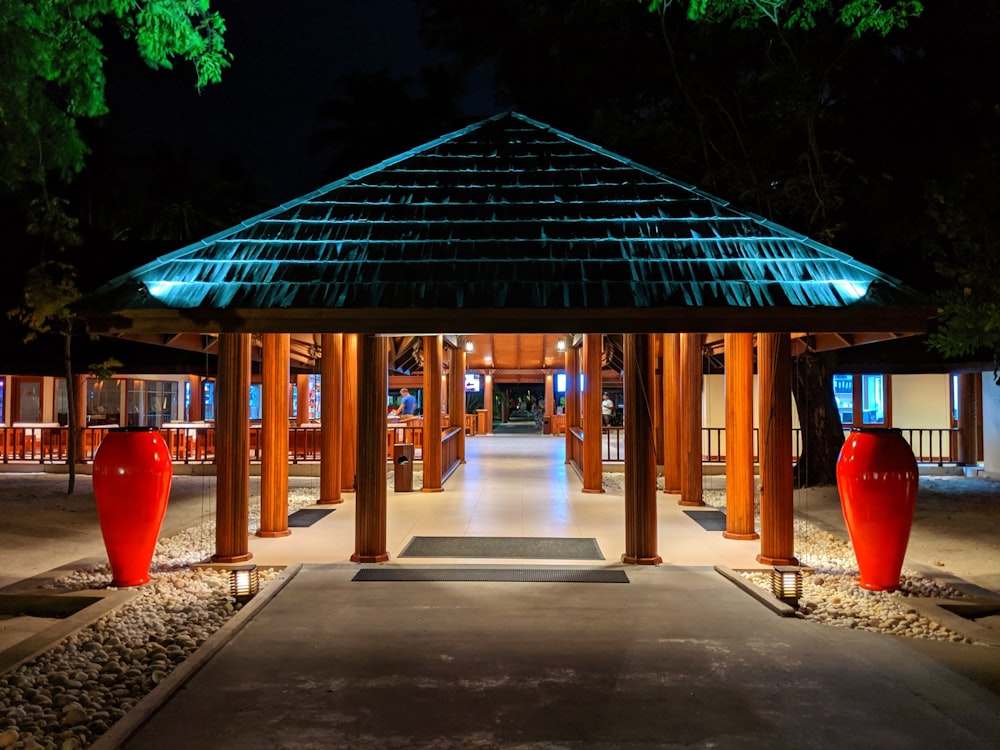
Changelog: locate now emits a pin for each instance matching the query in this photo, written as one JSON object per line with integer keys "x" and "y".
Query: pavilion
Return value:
{"x": 507, "y": 227}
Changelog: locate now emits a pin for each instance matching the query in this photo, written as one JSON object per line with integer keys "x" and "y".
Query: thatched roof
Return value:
{"x": 507, "y": 225}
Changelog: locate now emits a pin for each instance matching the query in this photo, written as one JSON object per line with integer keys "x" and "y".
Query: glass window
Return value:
{"x": 843, "y": 392}
{"x": 873, "y": 399}
{"x": 103, "y": 401}
{"x": 3, "y": 416}
{"x": 150, "y": 403}
{"x": 208, "y": 400}
{"x": 255, "y": 401}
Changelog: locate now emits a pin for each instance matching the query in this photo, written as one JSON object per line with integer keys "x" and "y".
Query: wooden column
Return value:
{"x": 196, "y": 407}
{"x": 572, "y": 398}
{"x": 488, "y": 401}
{"x": 302, "y": 399}
{"x": 274, "y": 437}
{"x": 349, "y": 414}
{"x": 331, "y": 424}
{"x": 370, "y": 506}
{"x": 774, "y": 378}
{"x": 550, "y": 407}
{"x": 432, "y": 414}
{"x": 640, "y": 454}
{"x": 969, "y": 388}
{"x": 456, "y": 389}
{"x": 592, "y": 425}
{"x": 739, "y": 437}
{"x": 671, "y": 413}
{"x": 232, "y": 449}
{"x": 691, "y": 376}
{"x": 80, "y": 415}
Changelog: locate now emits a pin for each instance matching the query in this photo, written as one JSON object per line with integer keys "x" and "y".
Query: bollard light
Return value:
{"x": 244, "y": 582}
{"x": 786, "y": 584}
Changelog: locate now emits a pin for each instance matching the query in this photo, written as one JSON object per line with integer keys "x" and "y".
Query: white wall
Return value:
{"x": 922, "y": 401}
{"x": 991, "y": 425}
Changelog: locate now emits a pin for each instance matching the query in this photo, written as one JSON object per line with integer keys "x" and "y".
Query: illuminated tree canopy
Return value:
{"x": 52, "y": 71}
{"x": 861, "y": 16}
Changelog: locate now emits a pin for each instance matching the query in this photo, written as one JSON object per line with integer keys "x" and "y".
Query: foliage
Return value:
{"x": 52, "y": 71}
{"x": 966, "y": 256}
{"x": 860, "y": 16}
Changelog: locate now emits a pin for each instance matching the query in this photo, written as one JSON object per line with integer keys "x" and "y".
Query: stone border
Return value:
{"x": 778, "y": 607}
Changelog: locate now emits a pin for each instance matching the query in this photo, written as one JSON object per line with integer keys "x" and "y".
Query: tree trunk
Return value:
{"x": 72, "y": 432}
{"x": 822, "y": 432}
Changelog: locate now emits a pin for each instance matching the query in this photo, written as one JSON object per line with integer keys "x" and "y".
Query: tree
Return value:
{"x": 52, "y": 71}
{"x": 51, "y": 77}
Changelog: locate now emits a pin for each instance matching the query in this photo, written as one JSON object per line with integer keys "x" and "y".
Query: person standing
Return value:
{"x": 607, "y": 409}
{"x": 407, "y": 405}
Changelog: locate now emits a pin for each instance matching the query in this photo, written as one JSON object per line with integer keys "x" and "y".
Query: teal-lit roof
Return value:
{"x": 506, "y": 225}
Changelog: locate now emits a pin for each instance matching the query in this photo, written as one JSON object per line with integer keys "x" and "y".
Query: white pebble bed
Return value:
{"x": 66, "y": 698}
{"x": 830, "y": 591}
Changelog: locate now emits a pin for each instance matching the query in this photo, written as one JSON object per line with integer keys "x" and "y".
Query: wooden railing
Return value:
{"x": 196, "y": 444}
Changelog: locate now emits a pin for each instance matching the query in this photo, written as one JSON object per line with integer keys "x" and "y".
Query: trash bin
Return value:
{"x": 547, "y": 425}
{"x": 402, "y": 467}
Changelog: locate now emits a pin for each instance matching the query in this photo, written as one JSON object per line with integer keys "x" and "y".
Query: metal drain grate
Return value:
{"x": 501, "y": 575}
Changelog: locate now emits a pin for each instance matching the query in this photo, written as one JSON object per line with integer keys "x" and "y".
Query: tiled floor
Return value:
{"x": 511, "y": 485}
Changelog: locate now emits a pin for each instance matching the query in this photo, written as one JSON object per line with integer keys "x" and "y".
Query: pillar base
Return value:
{"x": 765, "y": 560}
{"x": 380, "y": 558}
{"x": 633, "y": 560}
{"x": 691, "y": 503}
{"x": 672, "y": 491}
{"x": 592, "y": 492}
{"x": 272, "y": 534}
{"x": 330, "y": 501}
{"x": 432, "y": 489}
{"x": 744, "y": 537}
{"x": 232, "y": 558}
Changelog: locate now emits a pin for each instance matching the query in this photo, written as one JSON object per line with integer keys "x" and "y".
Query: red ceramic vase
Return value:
{"x": 877, "y": 480}
{"x": 132, "y": 473}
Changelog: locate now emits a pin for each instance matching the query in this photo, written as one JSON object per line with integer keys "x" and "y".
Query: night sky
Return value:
{"x": 288, "y": 57}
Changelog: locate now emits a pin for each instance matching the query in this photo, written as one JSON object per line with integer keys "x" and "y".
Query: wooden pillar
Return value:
{"x": 671, "y": 413}
{"x": 349, "y": 414}
{"x": 432, "y": 414}
{"x": 196, "y": 410}
{"x": 572, "y": 398}
{"x": 331, "y": 394}
{"x": 774, "y": 378}
{"x": 656, "y": 396}
{"x": 969, "y": 389}
{"x": 370, "y": 505}
{"x": 550, "y": 407}
{"x": 640, "y": 454}
{"x": 592, "y": 424}
{"x": 691, "y": 377}
{"x": 274, "y": 437}
{"x": 456, "y": 390}
{"x": 739, "y": 437}
{"x": 488, "y": 401}
{"x": 301, "y": 399}
{"x": 232, "y": 449}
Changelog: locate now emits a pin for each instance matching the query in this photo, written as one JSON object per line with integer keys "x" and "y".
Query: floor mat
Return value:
{"x": 534, "y": 547}
{"x": 307, "y": 517}
{"x": 710, "y": 520}
{"x": 500, "y": 575}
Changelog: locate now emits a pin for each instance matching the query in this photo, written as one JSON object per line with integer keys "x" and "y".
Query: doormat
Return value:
{"x": 308, "y": 516}
{"x": 710, "y": 520}
{"x": 535, "y": 547}
{"x": 498, "y": 575}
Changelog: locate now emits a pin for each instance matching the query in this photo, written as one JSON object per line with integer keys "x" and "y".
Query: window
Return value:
{"x": 150, "y": 403}
{"x": 208, "y": 400}
{"x": 864, "y": 395}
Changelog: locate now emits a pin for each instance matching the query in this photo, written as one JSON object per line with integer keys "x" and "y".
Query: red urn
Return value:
{"x": 877, "y": 480}
{"x": 132, "y": 473}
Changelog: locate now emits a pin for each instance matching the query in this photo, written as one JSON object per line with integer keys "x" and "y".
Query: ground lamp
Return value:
{"x": 786, "y": 584}
{"x": 244, "y": 582}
